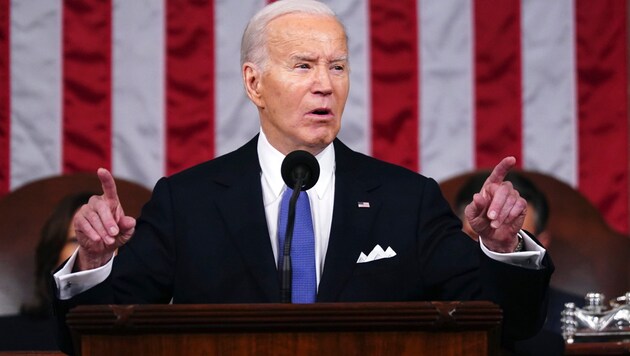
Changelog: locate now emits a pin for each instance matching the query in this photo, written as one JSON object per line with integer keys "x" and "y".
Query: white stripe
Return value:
{"x": 356, "y": 123}
{"x": 549, "y": 87}
{"x": 35, "y": 90}
{"x": 138, "y": 90}
{"x": 446, "y": 81}
{"x": 236, "y": 117}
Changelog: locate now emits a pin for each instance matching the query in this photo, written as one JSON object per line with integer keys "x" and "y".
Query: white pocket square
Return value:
{"x": 376, "y": 254}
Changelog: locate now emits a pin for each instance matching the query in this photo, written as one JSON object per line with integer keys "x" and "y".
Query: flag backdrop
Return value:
{"x": 149, "y": 87}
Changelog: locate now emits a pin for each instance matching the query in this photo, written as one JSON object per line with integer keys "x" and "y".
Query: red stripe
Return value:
{"x": 189, "y": 83}
{"x": 602, "y": 71}
{"x": 87, "y": 28}
{"x": 394, "y": 77}
{"x": 5, "y": 101}
{"x": 497, "y": 81}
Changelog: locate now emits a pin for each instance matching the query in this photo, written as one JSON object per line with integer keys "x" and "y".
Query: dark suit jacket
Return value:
{"x": 203, "y": 238}
{"x": 26, "y": 332}
{"x": 549, "y": 339}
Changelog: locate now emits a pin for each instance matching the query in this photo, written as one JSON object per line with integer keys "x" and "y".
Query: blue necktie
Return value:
{"x": 304, "y": 285}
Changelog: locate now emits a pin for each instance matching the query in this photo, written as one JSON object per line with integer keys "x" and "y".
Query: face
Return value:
{"x": 302, "y": 89}
{"x": 70, "y": 246}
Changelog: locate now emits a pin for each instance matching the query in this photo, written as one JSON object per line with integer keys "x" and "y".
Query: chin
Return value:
{"x": 315, "y": 140}
{"x": 322, "y": 142}
{"x": 315, "y": 146}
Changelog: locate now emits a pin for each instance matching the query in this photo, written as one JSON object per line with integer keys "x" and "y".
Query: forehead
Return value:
{"x": 305, "y": 30}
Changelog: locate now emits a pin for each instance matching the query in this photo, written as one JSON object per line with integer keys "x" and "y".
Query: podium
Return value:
{"x": 400, "y": 328}
{"x": 599, "y": 348}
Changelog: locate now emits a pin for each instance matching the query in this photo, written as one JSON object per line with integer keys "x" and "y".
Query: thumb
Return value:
{"x": 127, "y": 224}
{"x": 476, "y": 207}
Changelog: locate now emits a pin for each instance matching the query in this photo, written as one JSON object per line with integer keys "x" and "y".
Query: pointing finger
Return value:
{"x": 108, "y": 184}
{"x": 501, "y": 170}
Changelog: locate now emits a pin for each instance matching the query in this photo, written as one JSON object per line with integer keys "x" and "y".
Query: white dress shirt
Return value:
{"x": 321, "y": 198}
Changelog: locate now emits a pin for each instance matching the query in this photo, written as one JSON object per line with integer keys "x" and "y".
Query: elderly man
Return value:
{"x": 210, "y": 234}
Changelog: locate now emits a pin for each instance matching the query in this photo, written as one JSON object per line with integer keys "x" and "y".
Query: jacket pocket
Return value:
{"x": 384, "y": 265}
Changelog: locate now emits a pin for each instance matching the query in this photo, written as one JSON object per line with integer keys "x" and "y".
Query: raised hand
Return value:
{"x": 498, "y": 211}
{"x": 101, "y": 225}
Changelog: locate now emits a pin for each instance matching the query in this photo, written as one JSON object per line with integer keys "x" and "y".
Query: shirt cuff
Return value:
{"x": 531, "y": 257}
{"x": 70, "y": 284}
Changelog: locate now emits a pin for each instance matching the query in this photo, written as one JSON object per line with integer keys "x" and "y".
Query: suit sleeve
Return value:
{"x": 455, "y": 268}
{"x": 143, "y": 269}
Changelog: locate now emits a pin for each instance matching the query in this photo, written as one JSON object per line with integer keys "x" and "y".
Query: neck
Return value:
{"x": 286, "y": 149}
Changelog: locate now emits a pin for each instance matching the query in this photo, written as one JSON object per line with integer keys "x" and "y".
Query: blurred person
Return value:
{"x": 34, "y": 328}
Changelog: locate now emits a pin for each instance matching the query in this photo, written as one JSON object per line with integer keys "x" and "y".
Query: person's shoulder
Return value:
{"x": 347, "y": 159}
{"x": 239, "y": 161}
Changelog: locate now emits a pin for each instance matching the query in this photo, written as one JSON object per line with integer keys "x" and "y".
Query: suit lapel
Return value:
{"x": 243, "y": 210}
{"x": 351, "y": 224}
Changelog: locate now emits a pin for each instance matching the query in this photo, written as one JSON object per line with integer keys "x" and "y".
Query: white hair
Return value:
{"x": 253, "y": 47}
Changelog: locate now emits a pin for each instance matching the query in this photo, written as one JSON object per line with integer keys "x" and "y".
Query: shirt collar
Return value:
{"x": 271, "y": 160}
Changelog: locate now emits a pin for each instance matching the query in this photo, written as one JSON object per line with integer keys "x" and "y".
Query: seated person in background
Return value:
{"x": 536, "y": 222}
{"x": 211, "y": 233}
{"x": 34, "y": 327}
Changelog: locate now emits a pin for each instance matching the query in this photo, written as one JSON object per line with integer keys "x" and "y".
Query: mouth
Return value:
{"x": 321, "y": 112}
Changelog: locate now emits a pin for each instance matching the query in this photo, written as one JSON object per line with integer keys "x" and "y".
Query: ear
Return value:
{"x": 251, "y": 79}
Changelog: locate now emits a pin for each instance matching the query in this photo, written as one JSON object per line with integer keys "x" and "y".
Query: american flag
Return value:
{"x": 150, "y": 87}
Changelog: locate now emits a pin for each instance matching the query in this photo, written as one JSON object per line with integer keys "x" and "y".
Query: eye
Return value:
{"x": 303, "y": 66}
{"x": 338, "y": 68}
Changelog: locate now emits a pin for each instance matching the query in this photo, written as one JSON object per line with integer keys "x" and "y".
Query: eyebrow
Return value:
{"x": 312, "y": 58}
{"x": 341, "y": 59}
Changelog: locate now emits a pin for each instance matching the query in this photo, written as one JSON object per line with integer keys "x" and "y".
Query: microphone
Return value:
{"x": 300, "y": 171}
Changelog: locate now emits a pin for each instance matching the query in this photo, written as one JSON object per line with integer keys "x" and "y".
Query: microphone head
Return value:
{"x": 300, "y": 165}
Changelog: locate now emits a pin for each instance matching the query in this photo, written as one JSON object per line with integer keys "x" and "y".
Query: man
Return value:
{"x": 213, "y": 229}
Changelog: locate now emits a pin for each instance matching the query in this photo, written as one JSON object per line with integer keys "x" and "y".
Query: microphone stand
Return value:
{"x": 287, "y": 269}
{"x": 300, "y": 170}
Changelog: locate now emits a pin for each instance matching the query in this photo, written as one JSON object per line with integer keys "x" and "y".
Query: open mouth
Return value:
{"x": 321, "y": 111}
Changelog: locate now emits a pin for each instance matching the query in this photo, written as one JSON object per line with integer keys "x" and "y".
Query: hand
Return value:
{"x": 497, "y": 212}
{"x": 101, "y": 225}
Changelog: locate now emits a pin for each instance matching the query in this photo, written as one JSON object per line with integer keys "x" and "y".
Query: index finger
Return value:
{"x": 108, "y": 184}
{"x": 501, "y": 170}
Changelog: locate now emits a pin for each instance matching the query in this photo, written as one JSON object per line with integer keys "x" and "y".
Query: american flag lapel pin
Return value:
{"x": 363, "y": 204}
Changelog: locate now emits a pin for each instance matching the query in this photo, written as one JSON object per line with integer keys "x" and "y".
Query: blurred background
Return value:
{"x": 147, "y": 88}
{"x": 150, "y": 87}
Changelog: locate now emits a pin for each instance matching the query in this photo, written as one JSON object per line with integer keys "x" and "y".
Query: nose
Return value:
{"x": 322, "y": 83}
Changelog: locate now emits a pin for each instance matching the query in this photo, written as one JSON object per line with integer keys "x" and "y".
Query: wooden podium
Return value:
{"x": 418, "y": 328}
